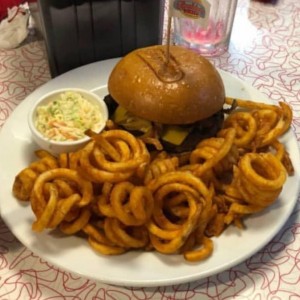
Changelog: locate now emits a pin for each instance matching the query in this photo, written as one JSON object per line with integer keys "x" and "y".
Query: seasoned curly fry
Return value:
{"x": 124, "y": 197}
{"x": 24, "y": 181}
{"x": 159, "y": 166}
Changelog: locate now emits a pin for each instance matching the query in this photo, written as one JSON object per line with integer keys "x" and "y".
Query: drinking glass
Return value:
{"x": 203, "y": 25}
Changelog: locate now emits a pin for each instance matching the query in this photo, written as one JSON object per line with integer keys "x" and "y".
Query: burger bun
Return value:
{"x": 180, "y": 88}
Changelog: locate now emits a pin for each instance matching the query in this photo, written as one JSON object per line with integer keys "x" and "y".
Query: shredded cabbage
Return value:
{"x": 68, "y": 117}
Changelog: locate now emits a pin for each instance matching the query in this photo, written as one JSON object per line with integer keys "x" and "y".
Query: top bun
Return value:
{"x": 186, "y": 90}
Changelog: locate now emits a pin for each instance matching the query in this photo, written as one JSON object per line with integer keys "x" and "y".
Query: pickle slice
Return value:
{"x": 131, "y": 122}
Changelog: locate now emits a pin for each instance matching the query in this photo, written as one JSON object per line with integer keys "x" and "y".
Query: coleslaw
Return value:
{"x": 68, "y": 117}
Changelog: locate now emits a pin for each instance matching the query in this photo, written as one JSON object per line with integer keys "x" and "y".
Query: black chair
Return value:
{"x": 78, "y": 32}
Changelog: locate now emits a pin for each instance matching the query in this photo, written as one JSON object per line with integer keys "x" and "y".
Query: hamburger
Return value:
{"x": 177, "y": 98}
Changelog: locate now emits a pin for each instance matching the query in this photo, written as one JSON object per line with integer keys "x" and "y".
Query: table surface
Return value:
{"x": 265, "y": 52}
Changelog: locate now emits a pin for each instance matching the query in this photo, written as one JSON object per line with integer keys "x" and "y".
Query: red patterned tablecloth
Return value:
{"x": 265, "y": 52}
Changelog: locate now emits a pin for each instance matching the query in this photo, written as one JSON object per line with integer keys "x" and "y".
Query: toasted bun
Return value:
{"x": 189, "y": 89}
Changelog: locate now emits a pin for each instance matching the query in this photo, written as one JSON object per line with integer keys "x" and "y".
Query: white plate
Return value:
{"x": 133, "y": 268}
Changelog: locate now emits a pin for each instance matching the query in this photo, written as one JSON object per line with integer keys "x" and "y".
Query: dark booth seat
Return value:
{"x": 78, "y": 32}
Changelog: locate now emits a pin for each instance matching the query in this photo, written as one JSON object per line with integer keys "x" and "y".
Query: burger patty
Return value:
{"x": 198, "y": 131}
{"x": 201, "y": 130}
